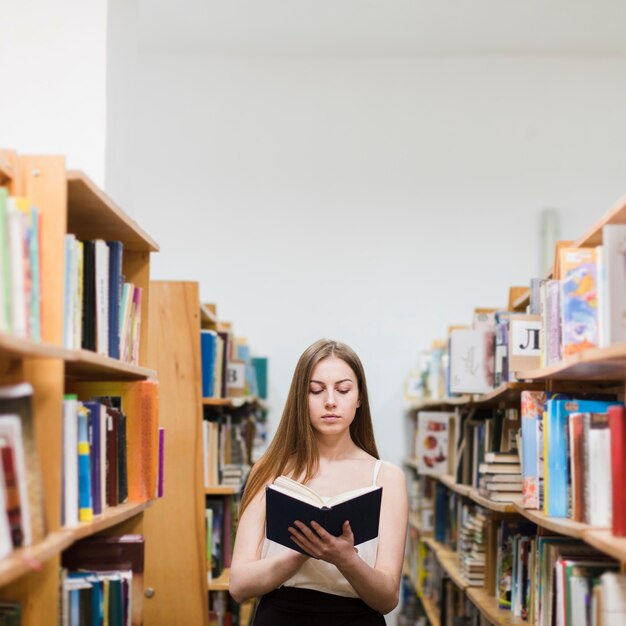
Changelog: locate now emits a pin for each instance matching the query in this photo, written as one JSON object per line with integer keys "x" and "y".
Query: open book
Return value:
{"x": 288, "y": 501}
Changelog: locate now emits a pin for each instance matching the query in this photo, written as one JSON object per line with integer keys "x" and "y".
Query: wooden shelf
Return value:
{"x": 606, "y": 542}
{"x": 503, "y": 393}
{"x": 522, "y": 301}
{"x": 616, "y": 215}
{"x": 93, "y": 215}
{"x": 17, "y": 347}
{"x": 87, "y": 365}
{"x": 221, "y": 490}
{"x": 448, "y": 481}
{"x": 221, "y": 583}
{"x": 6, "y": 171}
{"x": 498, "y": 507}
{"x": 25, "y": 560}
{"x": 245, "y": 612}
{"x": 431, "y": 610}
{"x": 207, "y": 316}
{"x": 605, "y": 364}
{"x": 449, "y": 561}
{"x": 437, "y": 403}
{"x": 488, "y": 606}
{"x": 560, "y": 525}
{"x": 415, "y": 522}
{"x": 231, "y": 402}
{"x": 109, "y": 517}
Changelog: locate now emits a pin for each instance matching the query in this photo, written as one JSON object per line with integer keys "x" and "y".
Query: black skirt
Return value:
{"x": 291, "y": 606}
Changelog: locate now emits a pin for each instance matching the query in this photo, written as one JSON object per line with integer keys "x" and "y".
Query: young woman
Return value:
{"x": 326, "y": 441}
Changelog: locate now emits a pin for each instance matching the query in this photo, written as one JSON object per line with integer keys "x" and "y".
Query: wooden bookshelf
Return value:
{"x": 431, "y": 610}
{"x": 88, "y": 365}
{"x": 207, "y": 316}
{"x": 449, "y": 561}
{"x": 12, "y": 347}
{"x": 498, "y": 507}
{"x": 560, "y": 525}
{"x": 93, "y": 215}
{"x": 221, "y": 490}
{"x": 616, "y": 215}
{"x": 607, "y": 542}
{"x": 448, "y": 481}
{"x": 488, "y": 606}
{"x": 230, "y": 402}
{"x": 108, "y": 518}
{"x": 221, "y": 583}
{"x": 438, "y": 403}
{"x": 6, "y": 170}
{"x": 596, "y": 364}
{"x": 30, "y": 576}
{"x": 177, "y": 525}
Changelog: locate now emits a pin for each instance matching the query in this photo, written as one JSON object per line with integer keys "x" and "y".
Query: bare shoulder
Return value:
{"x": 391, "y": 476}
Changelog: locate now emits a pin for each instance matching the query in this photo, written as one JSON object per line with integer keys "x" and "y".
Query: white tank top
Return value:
{"x": 323, "y": 576}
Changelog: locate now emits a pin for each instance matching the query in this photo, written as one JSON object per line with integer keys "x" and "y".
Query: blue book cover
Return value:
{"x": 558, "y": 411}
{"x": 93, "y": 422}
{"x": 115, "y": 296}
{"x": 85, "y": 506}
{"x": 208, "y": 347}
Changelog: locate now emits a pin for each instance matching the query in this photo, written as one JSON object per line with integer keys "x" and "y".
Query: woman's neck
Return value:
{"x": 329, "y": 449}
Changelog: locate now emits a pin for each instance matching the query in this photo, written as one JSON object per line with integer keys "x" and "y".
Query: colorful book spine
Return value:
{"x": 85, "y": 506}
{"x": 579, "y": 302}
{"x": 533, "y": 403}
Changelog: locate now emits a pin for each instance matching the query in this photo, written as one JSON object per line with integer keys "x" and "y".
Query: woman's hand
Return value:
{"x": 320, "y": 544}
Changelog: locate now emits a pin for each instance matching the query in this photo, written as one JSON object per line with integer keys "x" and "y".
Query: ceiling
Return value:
{"x": 383, "y": 27}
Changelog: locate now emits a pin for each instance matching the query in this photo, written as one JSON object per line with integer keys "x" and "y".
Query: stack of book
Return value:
{"x": 472, "y": 547}
{"x": 501, "y": 477}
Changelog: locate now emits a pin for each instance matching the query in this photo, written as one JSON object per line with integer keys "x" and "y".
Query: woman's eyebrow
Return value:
{"x": 343, "y": 380}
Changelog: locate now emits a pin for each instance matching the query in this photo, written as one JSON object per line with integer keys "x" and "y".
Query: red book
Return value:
{"x": 617, "y": 419}
{"x": 14, "y": 510}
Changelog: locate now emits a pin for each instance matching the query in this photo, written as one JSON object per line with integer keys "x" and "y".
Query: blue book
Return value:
{"x": 85, "y": 506}
{"x": 115, "y": 296}
{"x": 208, "y": 347}
{"x": 530, "y": 463}
{"x": 558, "y": 411}
{"x": 95, "y": 453}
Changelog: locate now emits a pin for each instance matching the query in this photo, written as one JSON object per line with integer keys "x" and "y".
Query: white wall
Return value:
{"x": 53, "y": 68}
{"x": 373, "y": 201}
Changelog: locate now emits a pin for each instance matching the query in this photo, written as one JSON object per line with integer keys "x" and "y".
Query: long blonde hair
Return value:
{"x": 294, "y": 447}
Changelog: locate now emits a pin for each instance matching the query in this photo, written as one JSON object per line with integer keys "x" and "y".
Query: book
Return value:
{"x": 139, "y": 402}
{"x": 579, "y": 304}
{"x": 89, "y": 296}
{"x": 288, "y": 501}
{"x": 613, "y": 285}
{"x": 102, "y": 296}
{"x": 432, "y": 448}
{"x": 597, "y": 451}
{"x": 69, "y": 515}
{"x": 617, "y": 425}
{"x": 524, "y": 343}
{"x": 557, "y": 461}
{"x": 115, "y": 296}
{"x": 107, "y": 554}
{"x": 470, "y": 353}
{"x": 17, "y": 400}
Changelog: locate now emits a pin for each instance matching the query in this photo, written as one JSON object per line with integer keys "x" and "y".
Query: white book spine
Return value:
{"x": 613, "y": 599}
{"x": 102, "y": 297}
{"x": 68, "y": 313}
{"x": 600, "y": 505}
{"x": 613, "y": 305}
{"x": 70, "y": 461}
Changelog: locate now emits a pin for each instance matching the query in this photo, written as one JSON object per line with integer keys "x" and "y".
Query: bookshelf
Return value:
{"x": 176, "y": 567}
{"x": 30, "y": 575}
{"x": 596, "y": 369}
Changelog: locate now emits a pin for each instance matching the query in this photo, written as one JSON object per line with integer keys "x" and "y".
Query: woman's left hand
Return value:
{"x": 320, "y": 544}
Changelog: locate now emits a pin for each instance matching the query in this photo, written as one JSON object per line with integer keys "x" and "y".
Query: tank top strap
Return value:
{"x": 376, "y": 470}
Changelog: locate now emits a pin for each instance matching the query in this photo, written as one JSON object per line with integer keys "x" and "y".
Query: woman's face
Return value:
{"x": 333, "y": 396}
